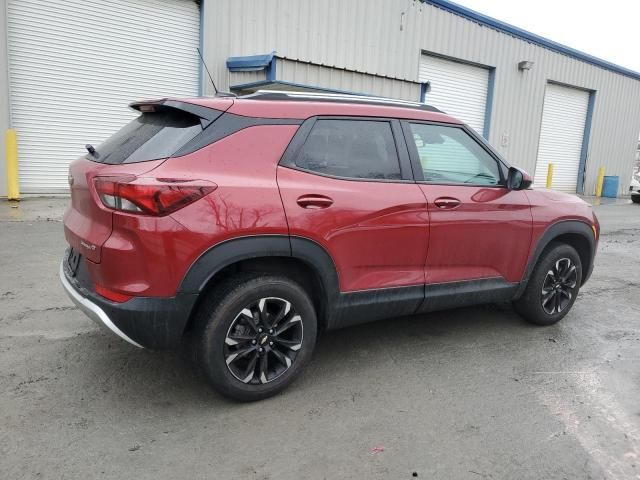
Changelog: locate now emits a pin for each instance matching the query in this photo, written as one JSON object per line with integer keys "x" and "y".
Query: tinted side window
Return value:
{"x": 150, "y": 136}
{"x": 352, "y": 149}
{"x": 451, "y": 155}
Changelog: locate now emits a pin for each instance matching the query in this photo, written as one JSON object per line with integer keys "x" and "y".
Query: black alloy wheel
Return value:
{"x": 553, "y": 286}
{"x": 263, "y": 340}
{"x": 559, "y": 286}
{"x": 255, "y": 333}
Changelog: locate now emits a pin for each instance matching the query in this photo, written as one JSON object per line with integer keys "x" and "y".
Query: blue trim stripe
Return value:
{"x": 530, "y": 37}
{"x": 489, "y": 106}
{"x": 585, "y": 143}
{"x": 424, "y": 88}
{"x": 271, "y": 70}
{"x": 251, "y": 63}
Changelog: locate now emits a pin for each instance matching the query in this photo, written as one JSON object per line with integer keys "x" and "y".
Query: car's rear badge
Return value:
{"x": 87, "y": 245}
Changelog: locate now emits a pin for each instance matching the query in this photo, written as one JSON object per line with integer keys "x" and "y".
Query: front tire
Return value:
{"x": 257, "y": 332}
{"x": 553, "y": 286}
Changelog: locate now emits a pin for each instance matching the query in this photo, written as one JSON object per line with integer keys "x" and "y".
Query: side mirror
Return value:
{"x": 518, "y": 179}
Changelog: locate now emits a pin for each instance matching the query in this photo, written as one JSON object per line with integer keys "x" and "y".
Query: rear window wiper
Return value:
{"x": 90, "y": 149}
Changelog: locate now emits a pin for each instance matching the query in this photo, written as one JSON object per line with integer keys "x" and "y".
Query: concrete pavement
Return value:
{"x": 475, "y": 393}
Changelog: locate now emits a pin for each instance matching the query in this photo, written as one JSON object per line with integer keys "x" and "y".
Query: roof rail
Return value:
{"x": 337, "y": 97}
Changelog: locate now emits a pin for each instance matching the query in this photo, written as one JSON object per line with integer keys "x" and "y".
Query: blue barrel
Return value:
{"x": 610, "y": 186}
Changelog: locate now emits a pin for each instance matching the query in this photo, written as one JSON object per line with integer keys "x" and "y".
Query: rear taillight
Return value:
{"x": 150, "y": 196}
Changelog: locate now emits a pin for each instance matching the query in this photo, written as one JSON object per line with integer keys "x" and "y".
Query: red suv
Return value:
{"x": 255, "y": 223}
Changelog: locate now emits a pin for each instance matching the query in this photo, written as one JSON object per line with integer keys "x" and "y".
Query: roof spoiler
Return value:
{"x": 207, "y": 115}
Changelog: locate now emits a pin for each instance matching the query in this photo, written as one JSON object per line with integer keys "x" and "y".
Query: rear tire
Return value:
{"x": 255, "y": 334}
{"x": 635, "y": 198}
{"x": 553, "y": 286}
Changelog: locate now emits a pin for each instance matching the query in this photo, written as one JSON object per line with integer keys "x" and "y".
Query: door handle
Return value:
{"x": 314, "y": 202}
{"x": 447, "y": 202}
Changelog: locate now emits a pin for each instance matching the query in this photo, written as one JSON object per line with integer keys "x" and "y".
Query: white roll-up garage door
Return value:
{"x": 458, "y": 89}
{"x": 75, "y": 65}
{"x": 563, "y": 120}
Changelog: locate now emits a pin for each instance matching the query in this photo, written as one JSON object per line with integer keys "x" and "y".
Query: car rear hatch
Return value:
{"x": 163, "y": 128}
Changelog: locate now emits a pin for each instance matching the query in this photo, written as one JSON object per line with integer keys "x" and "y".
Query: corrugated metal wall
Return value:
{"x": 349, "y": 80}
{"x": 312, "y": 74}
{"x": 241, "y": 78}
{"x": 386, "y": 37}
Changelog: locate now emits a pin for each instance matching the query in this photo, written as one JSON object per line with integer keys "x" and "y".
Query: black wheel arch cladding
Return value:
{"x": 576, "y": 233}
{"x": 235, "y": 250}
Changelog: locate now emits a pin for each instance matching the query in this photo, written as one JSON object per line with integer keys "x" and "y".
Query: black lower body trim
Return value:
{"x": 361, "y": 307}
{"x": 150, "y": 322}
{"x": 156, "y": 323}
{"x": 441, "y": 296}
{"x": 366, "y": 306}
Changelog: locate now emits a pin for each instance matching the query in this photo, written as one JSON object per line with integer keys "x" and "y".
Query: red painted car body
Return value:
{"x": 379, "y": 235}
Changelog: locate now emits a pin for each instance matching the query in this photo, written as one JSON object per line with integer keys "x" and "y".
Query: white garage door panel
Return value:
{"x": 457, "y": 89}
{"x": 75, "y": 65}
{"x": 563, "y": 120}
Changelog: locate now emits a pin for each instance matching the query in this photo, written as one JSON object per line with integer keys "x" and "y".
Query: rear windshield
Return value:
{"x": 151, "y": 136}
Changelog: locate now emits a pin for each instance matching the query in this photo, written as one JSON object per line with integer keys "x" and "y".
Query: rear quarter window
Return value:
{"x": 150, "y": 136}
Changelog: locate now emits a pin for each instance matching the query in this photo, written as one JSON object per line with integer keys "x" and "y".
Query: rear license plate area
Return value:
{"x": 73, "y": 261}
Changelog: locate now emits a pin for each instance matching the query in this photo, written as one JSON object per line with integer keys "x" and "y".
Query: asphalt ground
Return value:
{"x": 464, "y": 394}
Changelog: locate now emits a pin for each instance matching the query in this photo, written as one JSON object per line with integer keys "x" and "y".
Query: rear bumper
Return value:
{"x": 146, "y": 322}
{"x": 91, "y": 309}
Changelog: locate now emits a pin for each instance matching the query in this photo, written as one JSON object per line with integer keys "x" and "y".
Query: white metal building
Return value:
{"x": 70, "y": 67}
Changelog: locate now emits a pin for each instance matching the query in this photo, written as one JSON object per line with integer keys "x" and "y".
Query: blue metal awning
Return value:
{"x": 250, "y": 63}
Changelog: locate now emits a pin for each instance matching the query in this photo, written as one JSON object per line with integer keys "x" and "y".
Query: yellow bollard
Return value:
{"x": 13, "y": 184}
{"x": 550, "y": 175}
{"x": 599, "y": 182}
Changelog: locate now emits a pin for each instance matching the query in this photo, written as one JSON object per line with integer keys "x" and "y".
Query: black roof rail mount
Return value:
{"x": 338, "y": 98}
